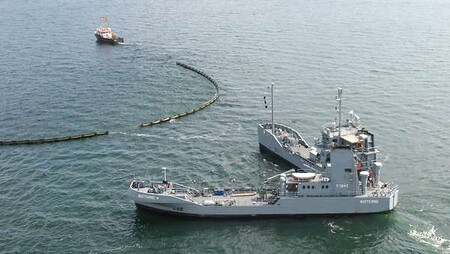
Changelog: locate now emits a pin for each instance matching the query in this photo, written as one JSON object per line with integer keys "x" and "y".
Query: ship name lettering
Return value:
{"x": 146, "y": 196}
{"x": 368, "y": 201}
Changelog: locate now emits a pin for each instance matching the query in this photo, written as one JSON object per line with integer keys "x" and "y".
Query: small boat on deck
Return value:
{"x": 104, "y": 34}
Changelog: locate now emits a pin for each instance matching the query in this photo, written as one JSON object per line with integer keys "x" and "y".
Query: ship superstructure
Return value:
{"x": 287, "y": 144}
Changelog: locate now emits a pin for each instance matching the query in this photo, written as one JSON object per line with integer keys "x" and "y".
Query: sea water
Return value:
{"x": 392, "y": 58}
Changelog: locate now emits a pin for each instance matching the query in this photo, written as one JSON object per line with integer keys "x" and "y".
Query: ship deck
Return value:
{"x": 286, "y": 135}
{"x": 227, "y": 198}
{"x": 301, "y": 150}
{"x": 242, "y": 199}
{"x": 291, "y": 140}
{"x": 252, "y": 197}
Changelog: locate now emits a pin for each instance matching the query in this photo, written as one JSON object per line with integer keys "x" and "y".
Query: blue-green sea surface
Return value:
{"x": 391, "y": 57}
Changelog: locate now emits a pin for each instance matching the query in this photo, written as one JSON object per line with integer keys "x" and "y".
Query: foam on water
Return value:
{"x": 333, "y": 227}
{"x": 430, "y": 237}
{"x": 134, "y": 134}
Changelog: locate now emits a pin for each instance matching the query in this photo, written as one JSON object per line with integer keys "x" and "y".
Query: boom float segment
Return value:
{"x": 52, "y": 140}
{"x": 192, "y": 111}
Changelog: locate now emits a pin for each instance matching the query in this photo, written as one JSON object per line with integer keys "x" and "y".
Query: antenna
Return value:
{"x": 165, "y": 173}
{"x": 339, "y": 100}
{"x": 104, "y": 21}
{"x": 273, "y": 125}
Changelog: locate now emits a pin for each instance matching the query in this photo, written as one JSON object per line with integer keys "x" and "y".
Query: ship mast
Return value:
{"x": 165, "y": 174}
{"x": 339, "y": 100}
{"x": 273, "y": 125}
{"x": 104, "y": 21}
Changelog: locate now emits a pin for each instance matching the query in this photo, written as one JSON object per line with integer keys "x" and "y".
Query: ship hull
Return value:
{"x": 111, "y": 41}
{"x": 277, "y": 158}
{"x": 285, "y": 206}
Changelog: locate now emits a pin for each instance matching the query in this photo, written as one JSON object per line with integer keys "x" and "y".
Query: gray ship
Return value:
{"x": 349, "y": 181}
{"x": 286, "y": 143}
{"x": 345, "y": 187}
{"x": 341, "y": 189}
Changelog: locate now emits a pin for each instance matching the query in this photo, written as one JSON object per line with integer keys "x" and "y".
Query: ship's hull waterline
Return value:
{"x": 285, "y": 206}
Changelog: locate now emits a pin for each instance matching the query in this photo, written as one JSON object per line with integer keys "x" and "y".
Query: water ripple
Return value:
{"x": 391, "y": 57}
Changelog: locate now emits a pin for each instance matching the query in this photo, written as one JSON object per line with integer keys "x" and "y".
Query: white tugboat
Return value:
{"x": 287, "y": 144}
{"x": 104, "y": 34}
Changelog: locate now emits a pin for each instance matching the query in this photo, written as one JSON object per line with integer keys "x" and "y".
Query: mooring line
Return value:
{"x": 192, "y": 111}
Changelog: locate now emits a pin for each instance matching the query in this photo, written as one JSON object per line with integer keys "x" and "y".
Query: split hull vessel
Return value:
{"x": 288, "y": 145}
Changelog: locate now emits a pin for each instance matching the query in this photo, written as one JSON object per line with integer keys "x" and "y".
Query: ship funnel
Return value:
{"x": 377, "y": 172}
{"x": 282, "y": 185}
{"x": 365, "y": 140}
{"x": 364, "y": 176}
